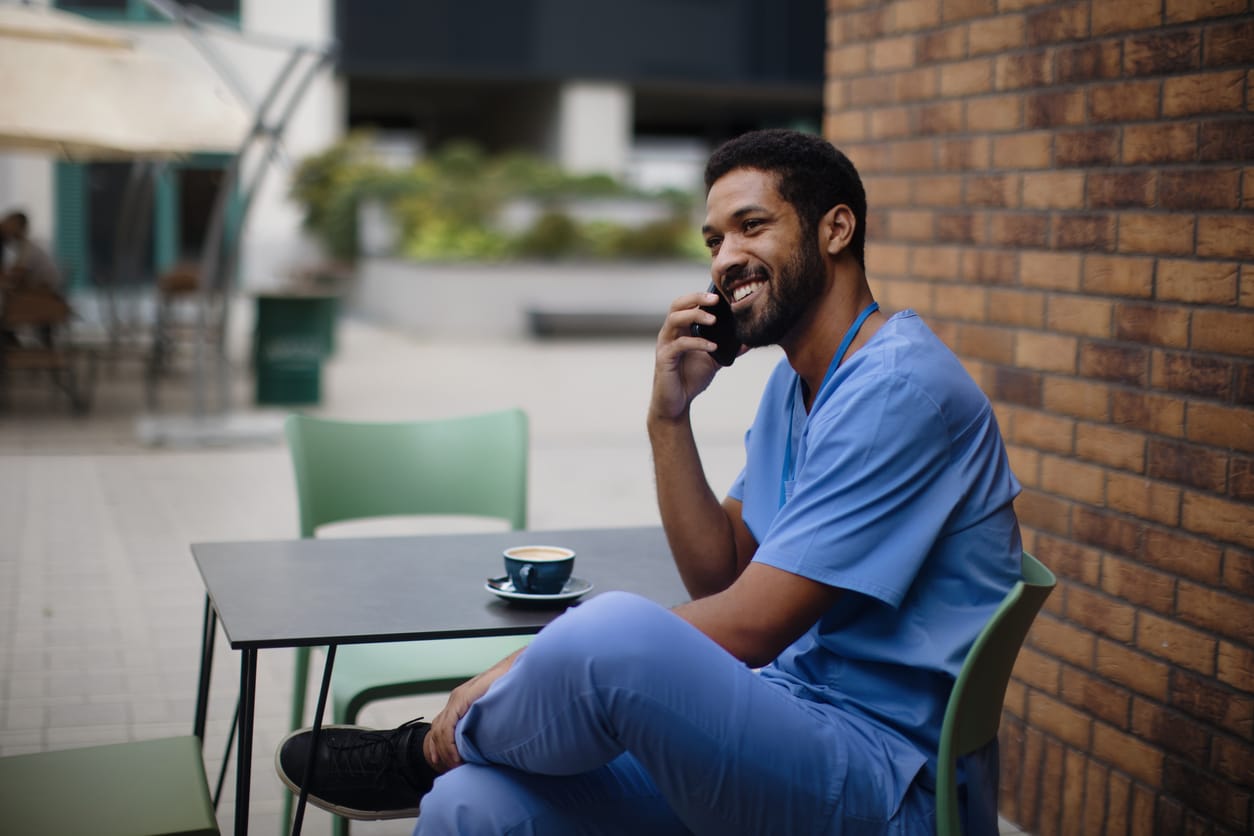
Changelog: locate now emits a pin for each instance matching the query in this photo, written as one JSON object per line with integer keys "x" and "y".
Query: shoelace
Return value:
{"x": 375, "y": 754}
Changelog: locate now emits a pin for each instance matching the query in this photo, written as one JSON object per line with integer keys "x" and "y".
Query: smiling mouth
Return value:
{"x": 744, "y": 291}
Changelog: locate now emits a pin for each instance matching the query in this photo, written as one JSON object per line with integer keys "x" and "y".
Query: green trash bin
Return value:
{"x": 294, "y": 333}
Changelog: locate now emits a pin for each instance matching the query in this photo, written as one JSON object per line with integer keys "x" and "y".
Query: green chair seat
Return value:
{"x": 147, "y": 788}
{"x": 973, "y": 713}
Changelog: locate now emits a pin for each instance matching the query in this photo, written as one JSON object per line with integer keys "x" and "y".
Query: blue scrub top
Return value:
{"x": 902, "y": 497}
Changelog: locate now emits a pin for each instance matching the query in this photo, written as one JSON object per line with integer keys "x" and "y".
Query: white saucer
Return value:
{"x": 502, "y": 587}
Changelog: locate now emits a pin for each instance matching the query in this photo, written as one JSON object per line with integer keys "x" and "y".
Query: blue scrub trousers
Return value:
{"x": 622, "y": 718}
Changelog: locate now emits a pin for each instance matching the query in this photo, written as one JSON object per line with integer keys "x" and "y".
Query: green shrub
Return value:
{"x": 445, "y": 206}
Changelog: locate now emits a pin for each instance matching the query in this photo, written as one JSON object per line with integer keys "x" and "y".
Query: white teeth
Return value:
{"x": 745, "y": 290}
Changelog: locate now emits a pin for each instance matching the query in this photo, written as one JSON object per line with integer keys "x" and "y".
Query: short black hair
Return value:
{"x": 20, "y": 217}
{"x": 813, "y": 175}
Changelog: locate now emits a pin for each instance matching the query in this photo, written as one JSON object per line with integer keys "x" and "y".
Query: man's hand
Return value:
{"x": 683, "y": 367}
{"x": 440, "y": 745}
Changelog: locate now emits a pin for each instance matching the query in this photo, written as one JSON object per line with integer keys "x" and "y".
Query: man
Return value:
{"x": 24, "y": 262}
{"x": 865, "y": 543}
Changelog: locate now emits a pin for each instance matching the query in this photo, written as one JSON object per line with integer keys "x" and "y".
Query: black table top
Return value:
{"x": 291, "y": 593}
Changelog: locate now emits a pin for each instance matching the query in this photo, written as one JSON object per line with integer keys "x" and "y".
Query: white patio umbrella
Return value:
{"x": 88, "y": 91}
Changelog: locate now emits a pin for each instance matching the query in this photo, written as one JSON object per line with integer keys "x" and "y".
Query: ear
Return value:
{"x": 836, "y": 229}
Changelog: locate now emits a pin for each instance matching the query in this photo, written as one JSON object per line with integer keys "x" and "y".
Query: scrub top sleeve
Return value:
{"x": 872, "y": 494}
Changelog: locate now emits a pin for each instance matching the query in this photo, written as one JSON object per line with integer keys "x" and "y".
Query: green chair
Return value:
{"x": 145, "y": 788}
{"x": 475, "y": 465}
{"x": 973, "y": 713}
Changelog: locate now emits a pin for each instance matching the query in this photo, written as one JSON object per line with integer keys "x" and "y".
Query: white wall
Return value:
{"x": 594, "y": 127}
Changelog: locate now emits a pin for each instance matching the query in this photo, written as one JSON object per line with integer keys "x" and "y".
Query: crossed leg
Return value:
{"x": 623, "y": 718}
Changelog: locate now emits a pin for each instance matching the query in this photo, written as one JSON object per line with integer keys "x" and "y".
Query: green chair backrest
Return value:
{"x": 474, "y": 465}
{"x": 973, "y": 713}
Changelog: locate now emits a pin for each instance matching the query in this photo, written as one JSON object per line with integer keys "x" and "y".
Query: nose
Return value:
{"x": 728, "y": 263}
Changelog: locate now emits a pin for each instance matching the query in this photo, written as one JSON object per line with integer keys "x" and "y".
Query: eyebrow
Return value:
{"x": 751, "y": 209}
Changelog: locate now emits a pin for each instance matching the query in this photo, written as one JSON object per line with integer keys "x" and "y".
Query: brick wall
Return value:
{"x": 1064, "y": 190}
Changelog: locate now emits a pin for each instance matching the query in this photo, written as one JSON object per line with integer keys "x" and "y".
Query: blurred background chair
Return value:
{"x": 34, "y": 323}
{"x": 144, "y": 788}
{"x": 465, "y": 466}
{"x": 973, "y": 713}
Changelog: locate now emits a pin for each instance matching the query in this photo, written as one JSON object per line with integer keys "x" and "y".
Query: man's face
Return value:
{"x": 762, "y": 258}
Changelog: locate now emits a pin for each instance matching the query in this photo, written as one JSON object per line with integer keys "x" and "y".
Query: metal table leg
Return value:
{"x": 209, "y": 629}
{"x": 299, "y": 818}
{"x": 244, "y": 760}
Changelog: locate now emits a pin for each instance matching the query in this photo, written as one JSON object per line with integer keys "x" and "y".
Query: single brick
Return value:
{"x": 952, "y": 10}
{"x": 1023, "y": 151}
{"x": 911, "y": 15}
{"x": 1215, "y": 92}
{"x": 1161, "y": 143}
{"x": 1127, "y": 753}
{"x": 1187, "y": 464}
{"x": 936, "y": 190}
{"x": 1229, "y": 44}
{"x": 1081, "y": 315}
{"x": 1184, "y": 11}
{"x": 892, "y": 54}
{"x": 1121, "y": 190}
{"x": 1126, "y": 16}
{"x": 967, "y": 78}
{"x": 1018, "y": 230}
{"x": 1021, "y": 70}
{"x": 1224, "y": 332}
{"x": 1058, "y": 23}
{"x": 1225, "y": 236}
{"x": 1164, "y": 325}
{"x": 1119, "y": 276}
{"x": 1127, "y": 101}
{"x": 997, "y": 34}
{"x": 1113, "y": 362}
{"x": 994, "y": 114}
{"x": 1200, "y": 189}
{"x": 942, "y": 45}
{"x": 1226, "y": 140}
{"x": 1143, "y": 498}
{"x": 1053, "y": 190}
{"x": 1132, "y": 669}
{"x": 1160, "y": 53}
{"x": 1086, "y": 148}
{"x": 941, "y": 118}
{"x": 1091, "y": 61}
{"x": 1072, "y": 479}
{"x": 1191, "y": 374}
{"x": 1084, "y": 232}
{"x": 1077, "y": 398}
{"x": 1000, "y": 190}
{"x": 1156, "y": 414}
{"x": 1157, "y": 234}
{"x": 1055, "y": 108}
{"x": 1059, "y": 271}
{"x": 1176, "y": 642}
{"x": 1016, "y": 307}
{"x": 1220, "y": 425}
{"x": 1222, "y": 519}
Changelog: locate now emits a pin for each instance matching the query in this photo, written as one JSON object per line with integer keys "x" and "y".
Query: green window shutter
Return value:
{"x": 70, "y": 224}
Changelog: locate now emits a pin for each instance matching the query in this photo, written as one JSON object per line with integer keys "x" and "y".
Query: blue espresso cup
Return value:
{"x": 539, "y": 570}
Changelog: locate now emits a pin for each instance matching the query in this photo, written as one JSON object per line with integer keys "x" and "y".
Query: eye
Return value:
{"x": 751, "y": 224}
{"x": 712, "y": 242}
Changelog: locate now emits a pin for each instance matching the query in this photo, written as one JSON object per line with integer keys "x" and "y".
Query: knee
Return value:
{"x": 615, "y": 628}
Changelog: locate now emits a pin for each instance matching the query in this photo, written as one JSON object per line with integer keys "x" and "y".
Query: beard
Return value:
{"x": 789, "y": 296}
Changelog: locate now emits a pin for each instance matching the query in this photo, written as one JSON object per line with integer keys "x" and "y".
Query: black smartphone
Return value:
{"x": 723, "y": 331}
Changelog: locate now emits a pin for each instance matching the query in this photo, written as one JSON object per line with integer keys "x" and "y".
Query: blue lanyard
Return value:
{"x": 786, "y": 475}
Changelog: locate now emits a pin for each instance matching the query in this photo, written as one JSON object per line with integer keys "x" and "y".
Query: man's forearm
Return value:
{"x": 697, "y": 528}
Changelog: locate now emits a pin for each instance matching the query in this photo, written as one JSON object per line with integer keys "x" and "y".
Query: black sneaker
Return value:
{"x": 360, "y": 773}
